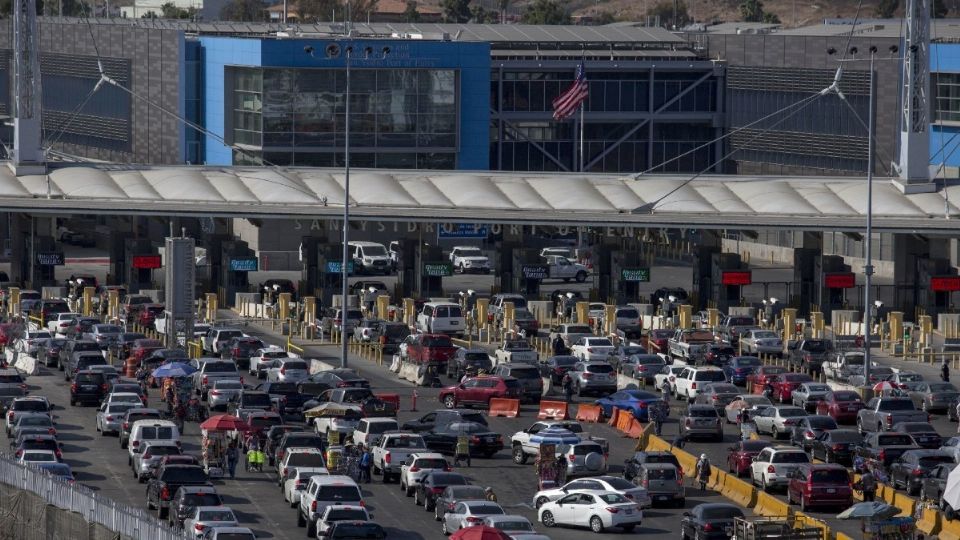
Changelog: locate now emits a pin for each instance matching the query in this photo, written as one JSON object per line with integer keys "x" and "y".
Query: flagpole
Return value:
{"x": 583, "y": 165}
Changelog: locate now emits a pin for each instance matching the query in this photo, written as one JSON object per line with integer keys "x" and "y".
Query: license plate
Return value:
{"x": 831, "y": 490}
{"x": 628, "y": 512}
{"x": 86, "y": 387}
{"x": 663, "y": 497}
{"x": 454, "y": 323}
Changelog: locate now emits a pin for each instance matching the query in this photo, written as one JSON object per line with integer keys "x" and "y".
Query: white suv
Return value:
{"x": 369, "y": 430}
{"x": 469, "y": 259}
{"x": 693, "y": 378}
{"x": 417, "y": 466}
{"x": 441, "y": 318}
{"x": 773, "y": 466}
{"x": 324, "y": 491}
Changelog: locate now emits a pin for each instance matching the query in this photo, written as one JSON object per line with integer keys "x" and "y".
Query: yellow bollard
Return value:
{"x": 686, "y": 316}
{"x": 610, "y": 319}
{"x": 409, "y": 311}
{"x": 284, "y": 304}
{"x": 789, "y": 321}
{"x": 509, "y": 313}
{"x": 113, "y": 304}
{"x": 483, "y": 305}
{"x": 88, "y": 293}
{"x": 383, "y": 306}
{"x": 212, "y": 301}
{"x": 583, "y": 312}
{"x": 896, "y": 329}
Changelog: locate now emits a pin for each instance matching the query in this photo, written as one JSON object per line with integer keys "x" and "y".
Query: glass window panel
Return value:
{"x": 323, "y": 139}
{"x": 313, "y": 159}
{"x": 397, "y": 161}
{"x": 398, "y": 140}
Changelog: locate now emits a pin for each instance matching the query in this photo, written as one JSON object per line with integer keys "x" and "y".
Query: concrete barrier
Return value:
{"x": 737, "y": 490}
{"x": 26, "y": 364}
{"x": 770, "y": 506}
{"x": 950, "y": 530}
{"x": 930, "y": 521}
{"x": 316, "y": 366}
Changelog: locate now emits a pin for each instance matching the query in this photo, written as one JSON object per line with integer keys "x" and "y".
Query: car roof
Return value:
{"x": 333, "y": 479}
{"x": 787, "y": 449}
{"x": 658, "y": 466}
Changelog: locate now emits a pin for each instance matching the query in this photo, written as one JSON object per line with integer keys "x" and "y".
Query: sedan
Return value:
{"x": 952, "y": 445}
{"x": 433, "y": 484}
{"x": 709, "y": 521}
{"x": 739, "y": 369}
{"x": 934, "y": 396}
{"x": 222, "y": 393}
{"x": 38, "y": 456}
{"x": 482, "y": 441}
{"x": 642, "y": 366}
{"x": 599, "y": 510}
{"x": 808, "y": 395}
{"x": 784, "y": 385}
{"x": 637, "y": 402}
{"x": 514, "y": 526}
{"x": 762, "y": 375}
{"x": 841, "y": 405}
{"x": 836, "y": 446}
{"x": 778, "y": 420}
{"x": 631, "y": 466}
{"x": 719, "y": 395}
{"x": 751, "y": 402}
{"x": 451, "y": 495}
{"x": 208, "y": 517}
{"x": 702, "y": 420}
{"x": 591, "y": 349}
{"x": 809, "y": 428}
{"x": 468, "y": 514}
{"x": 35, "y": 422}
{"x": 367, "y": 331}
{"x": 110, "y": 416}
{"x": 925, "y": 434}
{"x": 37, "y": 442}
{"x": 616, "y": 484}
{"x": 741, "y": 456}
{"x": 762, "y": 342}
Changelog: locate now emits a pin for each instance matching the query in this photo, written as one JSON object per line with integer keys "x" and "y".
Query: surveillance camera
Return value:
{"x": 367, "y": 51}
{"x": 332, "y": 50}
{"x": 386, "y": 51}
{"x": 854, "y": 50}
{"x": 308, "y": 49}
{"x": 773, "y": 300}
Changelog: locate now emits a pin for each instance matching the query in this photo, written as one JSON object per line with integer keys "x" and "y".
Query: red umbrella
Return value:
{"x": 224, "y": 422}
{"x": 479, "y": 532}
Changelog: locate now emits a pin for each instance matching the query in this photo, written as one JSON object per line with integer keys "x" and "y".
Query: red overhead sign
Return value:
{"x": 738, "y": 277}
{"x": 146, "y": 262}
{"x": 945, "y": 283}
{"x": 839, "y": 280}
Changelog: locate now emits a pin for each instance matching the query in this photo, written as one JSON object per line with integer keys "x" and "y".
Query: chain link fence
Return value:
{"x": 34, "y": 504}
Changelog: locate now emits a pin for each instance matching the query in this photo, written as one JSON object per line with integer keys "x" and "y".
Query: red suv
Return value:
{"x": 820, "y": 485}
{"x": 479, "y": 391}
{"x": 785, "y": 384}
{"x": 741, "y": 456}
{"x": 148, "y": 313}
{"x": 842, "y": 405}
{"x": 762, "y": 375}
{"x": 431, "y": 349}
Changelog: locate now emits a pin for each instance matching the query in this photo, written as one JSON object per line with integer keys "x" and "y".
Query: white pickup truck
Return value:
{"x": 516, "y": 351}
{"x": 522, "y": 448}
{"x": 392, "y": 450}
{"x": 841, "y": 365}
{"x": 690, "y": 344}
{"x": 565, "y": 269}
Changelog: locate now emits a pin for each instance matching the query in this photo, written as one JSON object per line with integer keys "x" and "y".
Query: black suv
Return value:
{"x": 87, "y": 387}
{"x": 240, "y": 349}
{"x": 464, "y": 359}
{"x": 442, "y": 417}
{"x": 189, "y": 497}
{"x": 392, "y": 335}
{"x": 251, "y": 400}
{"x": 82, "y": 361}
{"x": 170, "y": 478}
{"x": 75, "y": 346}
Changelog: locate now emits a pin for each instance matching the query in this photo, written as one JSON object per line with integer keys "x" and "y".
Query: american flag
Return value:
{"x": 567, "y": 103}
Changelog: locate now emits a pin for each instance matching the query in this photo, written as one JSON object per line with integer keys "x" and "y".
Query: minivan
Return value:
{"x": 150, "y": 431}
{"x": 370, "y": 258}
{"x": 441, "y": 318}
{"x": 663, "y": 482}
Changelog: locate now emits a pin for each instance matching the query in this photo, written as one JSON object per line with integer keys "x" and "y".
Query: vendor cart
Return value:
{"x": 213, "y": 450}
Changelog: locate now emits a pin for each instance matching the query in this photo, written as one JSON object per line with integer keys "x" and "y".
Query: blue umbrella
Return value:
{"x": 555, "y": 435}
{"x": 175, "y": 369}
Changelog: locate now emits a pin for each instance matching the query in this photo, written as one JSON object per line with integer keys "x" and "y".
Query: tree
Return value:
{"x": 455, "y": 11}
{"x": 604, "y": 17}
{"x": 771, "y": 18}
{"x": 411, "y": 15}
{"x": 479, "y": 15}
{"x": 361, "y": 10}
{"x": 502, "y": 6}
{"x": 939, "y": 9}
{"x": 545, "y": 12}
{"x": 886, "y": 8}
{"x": 170, "y": 11}
{"x": 319, "y": 10}
{"x": 751, "y": 10}
{"x": 664, "y": 11}
{"x": 243, "y": 10}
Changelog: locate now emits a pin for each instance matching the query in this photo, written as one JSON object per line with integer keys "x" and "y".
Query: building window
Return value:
{"x": 946, "y": 102}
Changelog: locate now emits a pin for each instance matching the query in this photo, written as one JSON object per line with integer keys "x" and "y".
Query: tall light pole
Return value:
{"x": 344, "y": 263}
{"x": 868, "y": 265}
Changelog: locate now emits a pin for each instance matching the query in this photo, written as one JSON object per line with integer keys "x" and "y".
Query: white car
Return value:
{"x": 60, "y": 322}
{"x": 290, "y": 370}
{"x": 208, "y": 517}
{"x": 469, "y": 259}
{"x": 599, "y": 510}
{"x": 297, "y": 481}
{"x": 417, "y": 466}
{"x": 468, "y": 514}
{"x": 516, "y": 527}
{"x": 343, "y": 512}
{"x": 773, "y": 466}
{"x": 761, "y": 342}
{"x": 778, "y": 420}
{"x": 624, "y": 487}
{"x": 691, "y": 379}
{"x": 266, "y": 355}
{"x": 592, "y": 349}
{"x": 369, "y": 430}
{"x": 38, "y": 456}
{"x": 124, "y": 397}
{"x": 751, "y": 402}
{"x": 30, "y": 339}
{"x": 299, "y": 457}
{"x": 668, "y": 374}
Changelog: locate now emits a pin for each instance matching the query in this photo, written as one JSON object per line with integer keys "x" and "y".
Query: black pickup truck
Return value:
{"x": 286, "y": 398}
{"x": 169, "y": 478}
{"x": 809, "y": 354}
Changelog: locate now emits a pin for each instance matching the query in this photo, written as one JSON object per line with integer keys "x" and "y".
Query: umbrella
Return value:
{"x": 555, "y": 435}
{"x": 479, "y": 532}
{"x": 333, "y": 409}
{"x": 869, "y": 510}
{"x": 174, "y": 369}
{"x": 224, "y": 422}
{"x": 951, "y": 494}
{"x": 884, "y": 385}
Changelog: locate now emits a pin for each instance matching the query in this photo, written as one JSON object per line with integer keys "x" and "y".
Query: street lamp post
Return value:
{"x": 868, "y": 266}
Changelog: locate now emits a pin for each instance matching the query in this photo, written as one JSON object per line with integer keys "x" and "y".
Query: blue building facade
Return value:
{"x": 945, "y": 114}
{"x": 413, "y": 103}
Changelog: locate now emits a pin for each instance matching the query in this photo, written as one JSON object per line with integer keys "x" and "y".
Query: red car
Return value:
{"x": 143, "y": 347}
{"x": 479, "y": 391}
{"x": 841, "y": 405}
{"x": 148, "y": 314}
{"x": 820, "y": 485}
{"x": 658, "y": 340}
{"x": 431, "y": 349}
{"x": 741, "y": 456}
{"x": 761, "y": 375}
{"x": 785, "y": 384}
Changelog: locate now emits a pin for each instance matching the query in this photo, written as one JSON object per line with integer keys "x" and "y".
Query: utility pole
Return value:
{"x": 28, "y": 155}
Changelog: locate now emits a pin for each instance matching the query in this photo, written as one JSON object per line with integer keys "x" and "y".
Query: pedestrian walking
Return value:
{"x": 703, "y": 471}
{"x": 868, "y": 485}
{"x": 366, "y": 462}
{"x": 659, "y": 415}
{"x": 558, "y": 347}
{"x": 462, "y": 452}
{"x": 665, "y": 392}
{"x": 945, "y": 371}
{"x": 233, "y": 455}
{"x": 568, "y": 387}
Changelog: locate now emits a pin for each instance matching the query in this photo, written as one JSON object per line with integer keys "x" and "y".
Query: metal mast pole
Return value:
{"x": 27, "y": 136}
{"x": 868, "y": 267}
{"x": 344, "y": 264}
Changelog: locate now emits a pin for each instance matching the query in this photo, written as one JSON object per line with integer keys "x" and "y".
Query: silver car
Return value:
{"x": 145, "y": 462}
{"x": 595, "y": 377}
{"x": 462, "y": 512}
{"x": 208, "y": 517}
{"x": 587, "y": 458}
{"x": 702, "y": 420}
{"x": 778, "y": 420}
{"x": 30, "y": 340}
{"x": 761, "y": 342}
{"x": 934, "y": 396}
{"x": 663, "y": 483}
{"x": 110, "y": 416}
{"x": 367, "y": 331}
{"x": 222, "y": 393}
{"x": 807, "y": 395}
{"x": 292, "y": 370}
{"x": 104, "y": 334}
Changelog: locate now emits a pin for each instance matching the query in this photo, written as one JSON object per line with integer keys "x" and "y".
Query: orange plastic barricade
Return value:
{"x": 588, "y": 413}
{"x": 635, "y": 430}
{"x": 390, "y": 398}
{"x": 509, "y": 408}
{"x": 624, "y": 420}
{"x": 554, "y": 410}
{"x": 614, "y": 413}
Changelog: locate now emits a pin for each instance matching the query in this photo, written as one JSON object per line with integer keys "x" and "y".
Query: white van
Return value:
{"x": 150, "y": 431}
{"x": 370, "y": 258}
{"x": 441, "y": 318}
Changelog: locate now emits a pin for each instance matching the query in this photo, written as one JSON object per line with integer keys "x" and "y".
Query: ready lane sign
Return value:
{"x": 535, "y": 271}
{"x": 246, "y": 264}
{"x": 334, "y": 267}
{"x": 50, "y": 258}
{"x": 438, "y": 269}
{"x": 635, "y": 274}
{"x": 461, "y": 230}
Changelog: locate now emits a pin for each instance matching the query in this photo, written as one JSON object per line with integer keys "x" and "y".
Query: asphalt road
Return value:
{"x": 101, "y": 464}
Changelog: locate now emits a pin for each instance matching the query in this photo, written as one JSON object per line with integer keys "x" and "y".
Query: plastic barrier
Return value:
{"x": 768, "y": 505}
{"x": 390, "y": 398}
{"x": 554, "y": 410}
{"x": 802, "y": 521}
{"x": 738, "y": 490}
{"x": 509, "y": 408}
{"x": 635, "y": 430}
{"x": 904, "y": 502}
{"x": 930, "y": 522}
{"x": 614, "y": 413}
{"x": 950, "y": 530}
{"x": 588, "y": 413}
{"x": 623, "y": 422}
{"x": 657, "y": 444}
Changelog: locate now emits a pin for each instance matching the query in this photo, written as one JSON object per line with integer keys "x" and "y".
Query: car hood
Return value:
{"x": 528, "y": 536}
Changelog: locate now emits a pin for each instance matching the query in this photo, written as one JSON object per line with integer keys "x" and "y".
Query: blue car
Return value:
{"x": 741, "y": 367}
{"x": 637, "y": 402}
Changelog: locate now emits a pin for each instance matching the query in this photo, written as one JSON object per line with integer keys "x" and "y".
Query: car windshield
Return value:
{"x": 216, "y": 515}
{"x": 296, "y": 365}
{"x": 830, "y": 476}
{"x": 896, "y": 405}
{"x": 846, "y": 396}
{"x": 235, "y": 536}
{"x": 108, "y": 329}
{"x": 470, "y": 252}
{"x": 164, "y": 450}
{"x": 666, "y": 473}
{"x": 720, "y": 512}
{"x": 910, "y": 377}
{"x": 155, "y": 432}
{"x": 219, "y": 367}
{"x": 702, "y": 412}
{"x": 578, "y": 329}
{"x": 646, "y": 359}
{"x": 821, "y": 422}
{"x": 525, "y": 373}
{"x": 748, "y": 362}
{"x": 305, "y": 459}
{"x": 512, "y": 526}
{"x": 710, "y": 375}
{"x": 942, "y": 387}
{"x": 227, "y": 385}
{"x": 565, "y": 361}
{"x": 441, "y": 479}
{"x": 468, "y": 493}
{"x": 600, "y": 342}
{"x": 792, "y": 413}
{"x": 203, "y": 499}
{"x": 406, "y": 442}
{"x": 796, "y": 377}
{"x": 818, "y": 388}
{"x": 790, "y": 457}
{"x": 930, "y": 462}
{"x": 754, "y": 446}
{"x": 585, "y": 449}
{"x": 358, "y": 531}
{"x": 465, "y": 427}
{"x": 724, "y": 389}
{"x": 346, "y": 514}
{"x": 917, "y": 427}
{"x": 34, "y": 421}
{"x": 260, "y": 422}
{"x": 258, "y": 399}
{"x": 895, "y": 440}
{"x": 486, "y": 509}
{"x": 382, "y": 427}
{"x": 431, "y": 463}
{"x": 184, "y": 475}
{"x": 600, "y": 368}
{"x": 437, "y": 341}
{"x": 766, "y": 334}
{"x": 119, "y": 408}
{"x": 619, "y": 483}
{"x": 30, "y": 405}
{"x": 338, "y": 493}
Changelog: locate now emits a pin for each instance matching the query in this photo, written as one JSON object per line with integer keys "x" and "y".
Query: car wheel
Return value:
{"x": 436, "y": 513}
{"x": 596, "y": 524}
{"x": 683, "y": 535}
{"x": 300, "y": 521}
{"x": 416, "y": 497}
{"x": 803, "y": 504}
{"x": 450, "y": 402}
{"x": 444, "y": 529}
{"x": 923, "y": 493}
{"x": 826, "y": 457}
{"x": 547, "y": 519}
{"x": 581, "y": 276}
{"x": 427, "y": 505}
{"x": 519, "y": 457}
{"x": 312, "y": 529}
{"x": 763, "y": 484}
{"x": 628, "y": 528}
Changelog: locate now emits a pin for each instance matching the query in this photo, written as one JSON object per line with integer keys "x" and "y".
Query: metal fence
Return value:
{"x": 125, "y": 520}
